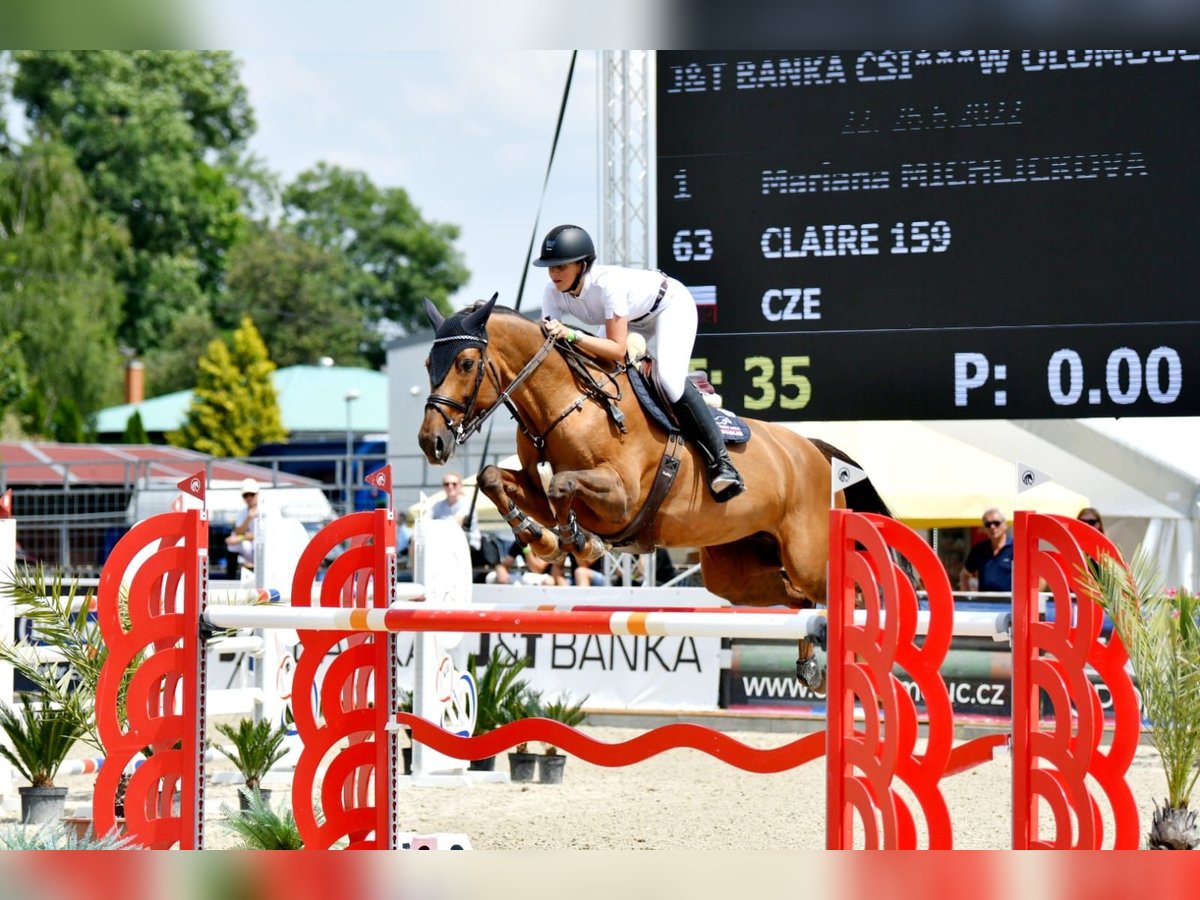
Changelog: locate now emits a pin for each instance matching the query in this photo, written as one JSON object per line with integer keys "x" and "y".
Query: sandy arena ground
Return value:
{"x": 679, "y": 800}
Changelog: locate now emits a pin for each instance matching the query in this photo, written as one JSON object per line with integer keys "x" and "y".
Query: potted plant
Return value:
{"x": 59, "y": 618}
{"x": 501, "y": 696}
{"x": 260, "y": 826}
{"x": 550, "y": 764}
{"x": 1160, "y": 631}
{"x": 522, "y": 765}
{"x": 256, "y": 747}
{"x": 41, "y": 735}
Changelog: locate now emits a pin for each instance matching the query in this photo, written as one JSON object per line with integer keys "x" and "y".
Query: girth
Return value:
{"x": 638, "y": 535}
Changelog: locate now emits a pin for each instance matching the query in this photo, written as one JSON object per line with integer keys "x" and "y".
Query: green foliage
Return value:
{"x": 135, "y": 431}
{"x": 59, "y": 836}
{"x": 60, "y": 301}
{"x": 261, "y": 827}
{"x": 234, "y": 405}
{"x": 171, "y": 366}
{"x": 300, "y": 296}
{"x": 14, "y": 375}
{"x": 41, "y": 735}
{"x": 1160, "y": 630}
{"x": 501, "y": 695}
{"x": 563, "y": 710}
{"x": 59, "y": 619}
{"x": 256, "y": 747}
{"x": 154, "y": 133}
{"x": 396, "y": 258}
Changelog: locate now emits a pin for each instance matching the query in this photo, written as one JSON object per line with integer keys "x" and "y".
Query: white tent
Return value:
{"x": 934, "y": 480}
{"x": 1143, "y": 474}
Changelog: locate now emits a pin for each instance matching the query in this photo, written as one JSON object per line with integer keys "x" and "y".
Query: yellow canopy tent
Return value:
{"x": 932, "y": 480}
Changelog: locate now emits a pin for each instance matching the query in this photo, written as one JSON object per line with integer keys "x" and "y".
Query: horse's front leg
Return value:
{"x": 523, "y": 505}
{"x": 602, "y": 491}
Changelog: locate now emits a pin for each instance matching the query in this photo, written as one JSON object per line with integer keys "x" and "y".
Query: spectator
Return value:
{"x": 456, "y": 506}
{"x": 241, "y": 540}
{"x": 1090, "y": 516}
{"x": 403, "y": 547}
{"x": 990, "y": 561}
{"x": 521, "y": 565}
{"x": 585, "y": 576}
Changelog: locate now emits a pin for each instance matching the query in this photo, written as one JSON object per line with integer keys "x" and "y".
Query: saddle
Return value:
{"x": 645, "y": 387}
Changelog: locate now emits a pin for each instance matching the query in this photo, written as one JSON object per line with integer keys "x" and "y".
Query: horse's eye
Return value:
{"x": 466, "y": 365}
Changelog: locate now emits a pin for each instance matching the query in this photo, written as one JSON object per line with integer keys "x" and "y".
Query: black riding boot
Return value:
{"x": 699, "y": 427}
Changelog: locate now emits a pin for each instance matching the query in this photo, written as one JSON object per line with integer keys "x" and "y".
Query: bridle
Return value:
{"x": 471, "y": 421}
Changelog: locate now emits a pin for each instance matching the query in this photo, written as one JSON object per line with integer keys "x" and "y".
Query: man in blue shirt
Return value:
{"x": 991, "y": 560}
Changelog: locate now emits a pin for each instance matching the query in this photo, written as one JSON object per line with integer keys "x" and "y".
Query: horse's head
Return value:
{"x": 456, "y": 374}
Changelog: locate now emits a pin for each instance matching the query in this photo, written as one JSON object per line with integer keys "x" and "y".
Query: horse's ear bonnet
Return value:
{"x": 467, "y": 328}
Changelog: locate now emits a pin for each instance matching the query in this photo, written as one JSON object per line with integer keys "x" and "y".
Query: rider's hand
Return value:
{"x": 554, "y": 328}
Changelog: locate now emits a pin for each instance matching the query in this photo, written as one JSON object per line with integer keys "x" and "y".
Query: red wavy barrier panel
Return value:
{"x": 864, "y": 766}
{"x": 625, "y": 753}
{"x": 1054, "y": 551}
{"x": 148, "y": 604}
{"x": 342, "y": 723}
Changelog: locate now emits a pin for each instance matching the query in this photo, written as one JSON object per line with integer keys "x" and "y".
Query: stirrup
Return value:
{"x": 725, "y": 483}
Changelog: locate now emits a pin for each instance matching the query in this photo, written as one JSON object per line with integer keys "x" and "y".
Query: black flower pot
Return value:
{"x": 522, "y": 766}
{"x": 550, "y": 768}
{"x": 487, "y": 764}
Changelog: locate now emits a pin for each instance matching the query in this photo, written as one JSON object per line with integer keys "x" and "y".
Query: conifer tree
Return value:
{"x": 135, "y": 430}
{"x": 234, "y": 405}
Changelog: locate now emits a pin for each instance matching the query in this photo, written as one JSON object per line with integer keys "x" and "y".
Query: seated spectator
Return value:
{"x": 1091, "y": 516}
{"x": 521, "y": 565}
{"x": 584, "y": 575}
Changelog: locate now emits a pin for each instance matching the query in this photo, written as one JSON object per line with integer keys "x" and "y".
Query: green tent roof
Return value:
{"x": 311, "y": 399}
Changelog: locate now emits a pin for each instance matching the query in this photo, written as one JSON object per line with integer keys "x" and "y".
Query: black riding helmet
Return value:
{"x": 565, "y": 244}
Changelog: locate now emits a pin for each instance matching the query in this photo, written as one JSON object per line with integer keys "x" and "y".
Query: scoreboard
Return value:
{"x": 896, "y": 234}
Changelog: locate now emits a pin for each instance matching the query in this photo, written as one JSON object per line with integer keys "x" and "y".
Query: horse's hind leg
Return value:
{"x": 749, "y": 572}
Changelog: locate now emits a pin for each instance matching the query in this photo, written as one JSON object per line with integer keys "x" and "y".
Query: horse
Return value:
{"x": 591, "y": 458}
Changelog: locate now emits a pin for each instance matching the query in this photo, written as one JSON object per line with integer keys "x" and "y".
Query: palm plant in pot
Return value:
{"x": 501, "y": 696}
{"x": 256, "y": 746}
{"x": 40, "y": 735}
{"x": 1161, "y": 632}
{"x": 550, "y": 764}
{"x": 59, "y": 619}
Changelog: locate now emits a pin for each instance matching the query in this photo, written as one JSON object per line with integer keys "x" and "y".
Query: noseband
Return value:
{"x": 471, "y": 421}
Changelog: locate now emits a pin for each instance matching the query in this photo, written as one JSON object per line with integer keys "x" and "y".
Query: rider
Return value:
{"x": 646, "y": 302}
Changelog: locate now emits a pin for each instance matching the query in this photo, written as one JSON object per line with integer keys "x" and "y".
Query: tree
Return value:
{"x": 299, "y": 295}
{"x": 14, "y": 376}
{"x": 171, "y": 366}
{"x": 59, "y": 296}
{"x": 154, "y": 134}
{"x": 135, "y": 430}
{"x": 234, "y": 405}
{"x": 395, "y": 256}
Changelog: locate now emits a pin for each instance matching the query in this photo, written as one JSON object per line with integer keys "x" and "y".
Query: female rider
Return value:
{"x": 648, "y": 303}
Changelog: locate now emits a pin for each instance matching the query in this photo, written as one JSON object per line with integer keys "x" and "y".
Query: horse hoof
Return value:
{"x": 809, "y": 671}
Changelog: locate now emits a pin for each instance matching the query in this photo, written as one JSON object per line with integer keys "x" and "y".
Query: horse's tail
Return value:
{"x": 861, "y": 496}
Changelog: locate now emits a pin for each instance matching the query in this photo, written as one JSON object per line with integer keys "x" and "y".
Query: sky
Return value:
{"x": 467, "y": 133}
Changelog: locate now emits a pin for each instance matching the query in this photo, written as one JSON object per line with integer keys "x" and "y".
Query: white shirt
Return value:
{"x": 607, "y": 291}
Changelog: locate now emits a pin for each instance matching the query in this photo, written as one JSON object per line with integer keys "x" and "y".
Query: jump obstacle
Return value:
{"x": 876, "y": 778}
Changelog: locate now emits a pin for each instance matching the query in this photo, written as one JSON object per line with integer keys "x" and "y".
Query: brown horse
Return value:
{"x": 600, "y": 455}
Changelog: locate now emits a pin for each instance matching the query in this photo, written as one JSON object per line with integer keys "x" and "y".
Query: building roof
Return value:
{"x": 312, "y": 399}
{"x": 35, "y": 463}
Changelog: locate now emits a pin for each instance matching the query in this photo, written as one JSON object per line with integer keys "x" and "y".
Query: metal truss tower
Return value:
{"x": 625, "y": 171}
